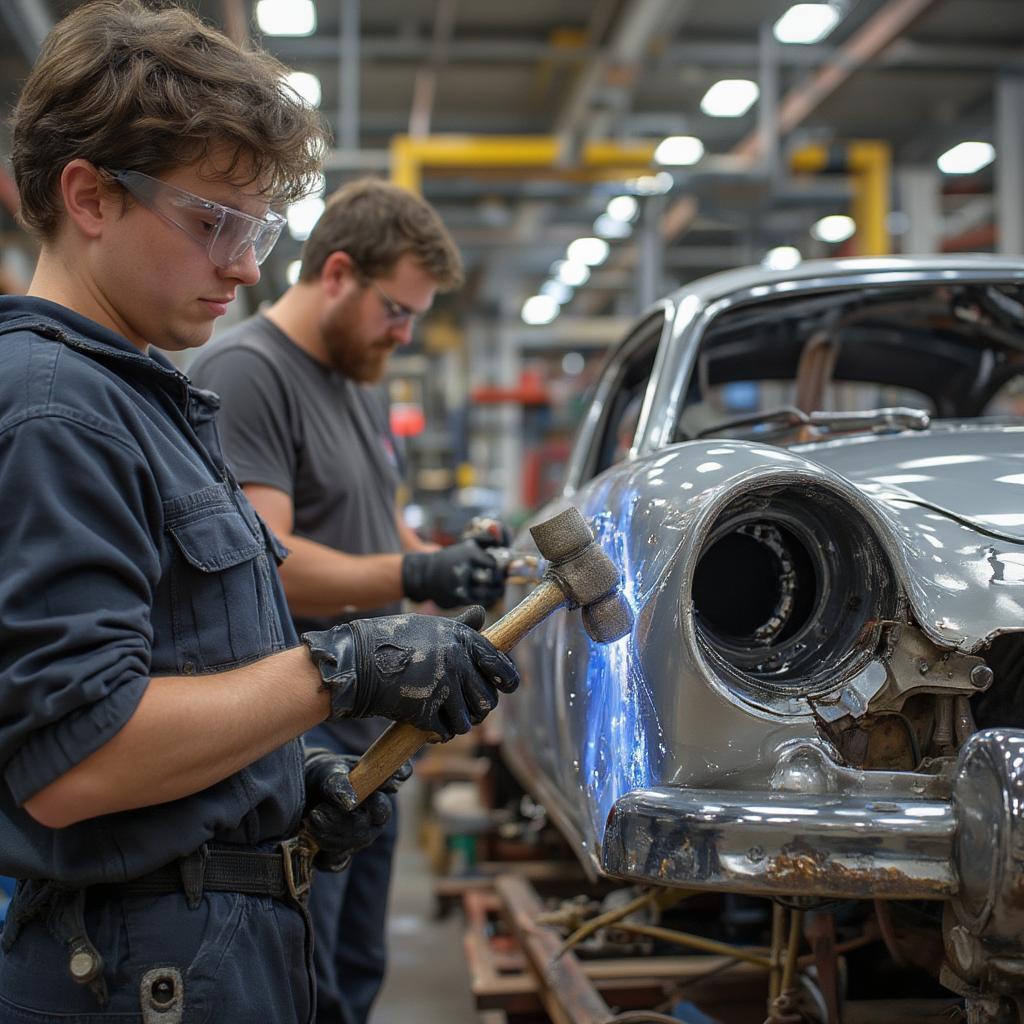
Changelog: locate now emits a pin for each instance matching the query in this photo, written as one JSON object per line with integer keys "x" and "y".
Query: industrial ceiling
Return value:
{"x": 594, "y": 85}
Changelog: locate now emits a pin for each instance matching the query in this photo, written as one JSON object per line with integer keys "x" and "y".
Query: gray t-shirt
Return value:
{"x": 290, "y": 422}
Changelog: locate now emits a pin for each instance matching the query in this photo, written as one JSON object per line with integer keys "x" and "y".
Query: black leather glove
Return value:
{"x": 339, "y": 827}
{"x": 437, "y": 674}
{"x": 459, "y": 574}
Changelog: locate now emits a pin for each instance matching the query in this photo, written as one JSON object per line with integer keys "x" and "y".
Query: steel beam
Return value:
{"x": 612, "y": 72}
{"x": 511, "y": 153}
{"x": 348, "y": 75}
{"x": 878, "y": 33}
{"x": 426, "y": 78}
{"x": 708, "y": 53}
{"x": 920, "y": 200}
{"x": 29, "y": 22}
{"x": 1009, "y": 168}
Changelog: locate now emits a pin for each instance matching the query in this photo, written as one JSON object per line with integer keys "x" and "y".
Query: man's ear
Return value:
{"x": 338, "y": 272}
{"x": 86, "y": 197}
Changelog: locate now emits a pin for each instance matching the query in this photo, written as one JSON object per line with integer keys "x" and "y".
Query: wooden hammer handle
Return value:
{"x": 399, "y": 742}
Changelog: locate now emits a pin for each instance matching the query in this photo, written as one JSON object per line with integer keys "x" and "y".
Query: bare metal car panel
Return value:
{"x": 640, "y": 746}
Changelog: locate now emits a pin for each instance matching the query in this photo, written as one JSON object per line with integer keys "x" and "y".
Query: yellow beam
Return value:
{"x": 411, "y": 158}
{"x": 869, "y": 164}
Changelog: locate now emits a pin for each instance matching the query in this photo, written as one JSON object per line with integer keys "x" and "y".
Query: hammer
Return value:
{"x": 579, "y": 575}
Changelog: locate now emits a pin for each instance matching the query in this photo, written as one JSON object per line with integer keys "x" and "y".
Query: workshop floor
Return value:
{"x": 427, "y": 979}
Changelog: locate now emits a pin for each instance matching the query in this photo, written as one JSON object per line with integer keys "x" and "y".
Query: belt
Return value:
{"x": 284, "y": 873}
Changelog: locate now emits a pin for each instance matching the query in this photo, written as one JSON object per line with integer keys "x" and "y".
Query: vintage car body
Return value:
{"x": 821, "y": 692}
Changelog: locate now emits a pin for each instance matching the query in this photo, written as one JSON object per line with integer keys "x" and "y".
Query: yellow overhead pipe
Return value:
{"x": 869, "y": 164}
{"x": 598, "y": 159}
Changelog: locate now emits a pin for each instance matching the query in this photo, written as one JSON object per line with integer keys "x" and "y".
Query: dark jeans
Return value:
{"x": 349, "y": 912}
{"x": 241, "y": 959}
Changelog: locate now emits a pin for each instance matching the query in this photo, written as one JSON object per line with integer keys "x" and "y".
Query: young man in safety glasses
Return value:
{"x": 151, "y": 685}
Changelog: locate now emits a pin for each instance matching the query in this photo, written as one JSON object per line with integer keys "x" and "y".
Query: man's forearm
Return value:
{"x": 188, "y": 733}
{"x": 410, "y": 539}
{"x": 319, "y": 580}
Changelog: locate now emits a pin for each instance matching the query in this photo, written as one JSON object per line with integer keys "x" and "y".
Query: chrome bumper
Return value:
{"x": 783, "y": 844}
{"x": 967, "y": 843}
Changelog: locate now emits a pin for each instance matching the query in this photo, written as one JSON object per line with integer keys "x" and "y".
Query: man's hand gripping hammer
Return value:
{"x": 579, "y": 575}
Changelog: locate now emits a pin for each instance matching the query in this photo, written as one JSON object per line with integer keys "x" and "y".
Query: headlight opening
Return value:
{"x": 788, "y": 591}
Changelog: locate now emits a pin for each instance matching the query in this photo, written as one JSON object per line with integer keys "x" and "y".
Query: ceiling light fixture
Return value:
{"x": 609, "y": 227}
{"x": 286, "y": 17}
{"x": 679, "y": 151}
{"x": 731, "y": 97}
{"x": 806, "y": 23}
{"x": 837, "y": 227}
{"x": 557, "y": 290}
{"x": 591, "y": 251}
{"x": 573, "y": 273}
{"x": 303, "y": 215}
{"x": 651, "y": 184}
{"x": 539, "y": 309}
{"x": 306, "y": 85}
{"x": 624, "y": 208}
{"x": 782, "y": 257}
{"x": 966, "y": 158}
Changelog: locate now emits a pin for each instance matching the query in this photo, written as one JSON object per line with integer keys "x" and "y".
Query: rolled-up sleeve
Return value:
{"x": 79, "y": 527}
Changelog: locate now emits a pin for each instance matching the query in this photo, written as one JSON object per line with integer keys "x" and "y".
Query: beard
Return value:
{"x": 352, "y": 353}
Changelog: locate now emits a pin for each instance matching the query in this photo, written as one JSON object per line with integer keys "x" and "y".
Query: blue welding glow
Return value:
{"x": 624, "y": 738}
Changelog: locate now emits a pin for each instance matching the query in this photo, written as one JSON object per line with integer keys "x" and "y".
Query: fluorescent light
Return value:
{"x": 292, "y": 271}
{"x": 539, "y": 309}
{"x": 557, "y": 290}
{"x": 782, "y": 257}
{"x": 837, "y": 227}
{"x": 286, "y": 17}
{"x": 624, "y": 208}
{"x": 966, "y": 158}
{"x": 303, "y": 215}
{"x": 651, "y": 184}
{"x": 679, "y": 150}
{"x": 306, "y": 85}
{"x": 572, "y": 273}
{"x": 609, "y": 227}
{"x": 731, "y": 97}
{"x": 806, "y": 23}
{"x": 591, "y": 251}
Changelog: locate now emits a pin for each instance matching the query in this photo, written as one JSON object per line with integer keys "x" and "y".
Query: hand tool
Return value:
{"x": 579, "y": 575}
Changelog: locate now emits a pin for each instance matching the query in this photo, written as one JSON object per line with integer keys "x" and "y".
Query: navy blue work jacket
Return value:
{"x": 126, "y": 551}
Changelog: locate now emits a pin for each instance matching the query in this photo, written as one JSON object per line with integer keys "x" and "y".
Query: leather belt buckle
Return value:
{"x": 297, "y": 858}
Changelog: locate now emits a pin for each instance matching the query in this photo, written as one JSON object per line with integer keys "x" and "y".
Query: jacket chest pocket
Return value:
{"x": 222, "y": 585}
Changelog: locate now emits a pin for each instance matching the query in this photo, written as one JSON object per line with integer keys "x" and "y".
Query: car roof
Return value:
{"x": 828, "y": 273}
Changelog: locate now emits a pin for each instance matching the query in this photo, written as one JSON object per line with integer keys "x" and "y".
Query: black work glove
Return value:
{"x": 459, "y": 574}
{"x": 437, "y": 674}
{"x": 339, "y": 827}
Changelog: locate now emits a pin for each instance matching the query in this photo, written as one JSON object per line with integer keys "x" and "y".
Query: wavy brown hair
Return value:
{"x": 377, "y": 223}
{"x": 133, "y": 87}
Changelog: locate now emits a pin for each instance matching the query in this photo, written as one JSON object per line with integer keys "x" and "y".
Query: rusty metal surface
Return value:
{"x": 784, "y": 843}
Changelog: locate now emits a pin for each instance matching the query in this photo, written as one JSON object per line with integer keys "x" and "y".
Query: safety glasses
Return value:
{"x": 394, "y": 311}
{"x": 224, "y": 233}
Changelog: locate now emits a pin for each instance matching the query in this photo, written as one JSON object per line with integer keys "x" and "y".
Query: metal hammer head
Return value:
{"x": 584, "y": 573}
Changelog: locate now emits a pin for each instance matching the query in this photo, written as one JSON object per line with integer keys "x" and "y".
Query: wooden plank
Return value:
{"x": 568, "y": 995}
{"x": 502, "y": 979}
